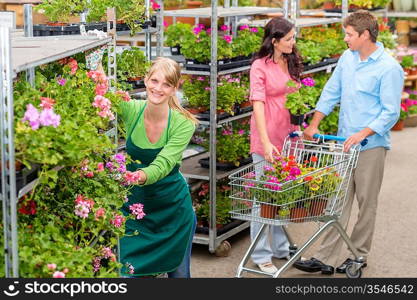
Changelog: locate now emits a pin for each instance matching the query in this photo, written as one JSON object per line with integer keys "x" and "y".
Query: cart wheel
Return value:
{"x": 350, "y": 273}
{"x": 223, "y": 250}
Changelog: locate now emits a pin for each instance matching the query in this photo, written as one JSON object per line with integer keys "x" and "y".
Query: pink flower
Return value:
{"x": 201, "y": 78}
{"x": 208, "y": 31}
{"x": 227, "y": 132}
{"x": 243, "y": 27}
{"x": 201, "y": 26}
{"x": 155, "y": 5}
{"x": 117, "y": 221}
{"x": 197, "y": 30}
{"x": 268, "y": 168}
{"x": 131, "y": 268}
{"x": 295, "y": 171}
{"x": 82, "y": 210}
{"x": 224, "y": 28}
{"x": 165, "y": 24}
{"x": 107, "y": 253}
{"x": 137, "y": 210}
{"x": 125, "y": 95}
{"x": 58, "y": 274}
{"x": 65, "y": 270}
{"x": 207, "y": 88}
{"x": 101, "y": 88}
{"x": 51, "y": 266}
{"x": 228, "y": 38}
{"x": 47, "y": 103}
{"x": 119, "y": 158}
{"x": 89, "y": 174}
{"x": 308, "y": 81}
{"x": 96, "y": 264}
{"x": 73, "y": 66}
{"x": 100, "y": 167}
{"x": 100, "y": 213}
{"x": 241, "y": 132}
{"x": 49, "y": 118}
{"x": 131, "y": 177}
{"x": 254, "y": 29}
{"x": 32, "y": 115}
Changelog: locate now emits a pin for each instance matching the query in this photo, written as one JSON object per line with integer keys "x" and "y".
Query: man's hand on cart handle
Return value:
{"x": 310, "y": 132}
{"x": 357, "y": 138}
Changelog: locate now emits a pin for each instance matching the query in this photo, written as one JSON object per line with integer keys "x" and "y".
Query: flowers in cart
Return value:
{"x": 292, "y": 189}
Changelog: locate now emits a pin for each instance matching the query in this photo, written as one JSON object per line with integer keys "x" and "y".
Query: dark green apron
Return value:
{"x": 165, "y": 231}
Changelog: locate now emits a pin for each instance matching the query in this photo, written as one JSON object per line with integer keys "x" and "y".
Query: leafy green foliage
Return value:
{"x": 177, "y": 33}
{"x": 61, "y": 10}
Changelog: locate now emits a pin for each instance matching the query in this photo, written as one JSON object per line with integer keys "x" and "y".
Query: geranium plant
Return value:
{"x": 177, "y": 33}
{"x": 303, "y": 98}
{"x": 248, "y": 40}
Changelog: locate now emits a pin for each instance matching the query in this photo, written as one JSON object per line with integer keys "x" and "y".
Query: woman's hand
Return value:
{"x": 269, "y": 151}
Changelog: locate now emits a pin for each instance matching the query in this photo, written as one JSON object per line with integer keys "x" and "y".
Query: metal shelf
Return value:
{"x": 143, "y": 31}
{"x": 230, "y": 119}
{"x": 327, "y": 67}
{"x": 402, "y": 14}
{"x": 323, "y": 13}
{"x": 207, "y": 73}
{"x": 191, "y": 168}
{"x": 203, "y": 239}
{"x": 301, "y": 22}
{"x": 205, "y": 12}
{"x": 34, "y": 51}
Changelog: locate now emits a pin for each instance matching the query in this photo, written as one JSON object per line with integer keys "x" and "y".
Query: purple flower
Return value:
{"x": 243, "y": 27}
{"x": 122, "y": 169}
{"x": 109, "y": 165}
{"x": 208, "y": 31}
{"x": 224, "y": 28}
{"x": 295, "y": 171}
{"x": 228, "y": 38}
{"x": 49, "y": 118}
{"x": 254, "y": 29}
{"x": 32, "y": 115}
{"x": 62, "y": 81}
{"x": 308, "y": 81}
{"x": 119, "y": 158}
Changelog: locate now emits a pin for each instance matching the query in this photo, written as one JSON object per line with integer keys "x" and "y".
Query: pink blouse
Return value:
{"x": 268, "y": 83}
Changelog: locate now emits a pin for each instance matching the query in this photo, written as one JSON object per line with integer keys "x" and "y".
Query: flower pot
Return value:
{"x": 411, "y": 121}
{"x": 195, "y": 110}
{"x": 317, "y": 207}
{"x": 268, "y": 211}
{"x": 296, "y": 119}
{"x": 402, "y": 26}
{"x": 398, "y": 126}
{"x": 298, "y": 214}
{"x": 328, "y": 5}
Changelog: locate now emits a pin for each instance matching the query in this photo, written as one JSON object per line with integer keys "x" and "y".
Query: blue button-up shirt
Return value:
{"x": 369, "y": 93}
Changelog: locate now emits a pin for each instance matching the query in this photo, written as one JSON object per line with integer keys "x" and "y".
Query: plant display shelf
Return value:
{"x": 324, "y": 13}
{"x": 32, "y": 52}
{"x": 224, "y": 72}
{"x": 227, "y": 120}
{"x": 402, "y": 14}
{"x": 222, "y": 12}
{"x": 20, "y": 54}
{"x": 299, "y": 23}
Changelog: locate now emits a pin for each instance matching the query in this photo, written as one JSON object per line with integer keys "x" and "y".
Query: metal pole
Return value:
{"x": 344, "y": 8}
{"x": 160, "y": 28}
{"x": 8, "y": 158}
{"x": 293, "y": 15}
{"x": 213, "y": 127}
{"x": 285, "y": 7}
{"x": 28, "y": 27}
{"x": 148, "y": 39}
{"x": 111, "y": 48}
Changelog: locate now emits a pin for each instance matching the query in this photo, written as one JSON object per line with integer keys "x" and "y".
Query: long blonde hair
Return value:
{"x": 172, "y": 72}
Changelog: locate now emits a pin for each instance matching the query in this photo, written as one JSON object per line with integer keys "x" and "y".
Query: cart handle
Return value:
{"x": 326, "y": 137}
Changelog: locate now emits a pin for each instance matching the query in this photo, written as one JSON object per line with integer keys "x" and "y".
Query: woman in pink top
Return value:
{"x": 276, "y": 62}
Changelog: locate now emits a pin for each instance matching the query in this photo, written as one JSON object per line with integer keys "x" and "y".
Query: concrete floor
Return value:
{"x": 394, "y": 250}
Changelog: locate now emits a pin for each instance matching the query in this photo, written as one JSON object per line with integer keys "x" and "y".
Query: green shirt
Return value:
{"x": 179, "y": 134}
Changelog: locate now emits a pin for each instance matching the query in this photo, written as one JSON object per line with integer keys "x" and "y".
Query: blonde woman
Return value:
{"x": 158, "y": 131}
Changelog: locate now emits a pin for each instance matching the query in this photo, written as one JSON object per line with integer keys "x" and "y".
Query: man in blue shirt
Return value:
{"x": 367, "y": 83}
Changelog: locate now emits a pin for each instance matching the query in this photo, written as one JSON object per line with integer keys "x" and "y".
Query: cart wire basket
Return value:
{"x": 307, "y": 183}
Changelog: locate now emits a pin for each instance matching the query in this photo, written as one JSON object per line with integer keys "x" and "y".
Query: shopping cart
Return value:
{"x": 317, "y": 175}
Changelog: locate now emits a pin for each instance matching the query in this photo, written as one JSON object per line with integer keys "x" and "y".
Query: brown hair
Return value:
{"x": 172, "y": 72}
{"x": 362, "y": 20}
{"x": 277, "y": 28}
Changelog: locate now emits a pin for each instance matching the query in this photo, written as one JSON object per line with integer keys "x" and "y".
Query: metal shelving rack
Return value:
{"x": 190, "y": 167}
{"x": 20, "y": 54}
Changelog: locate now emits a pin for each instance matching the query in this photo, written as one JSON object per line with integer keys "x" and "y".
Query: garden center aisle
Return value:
{"x": 395, "y": 240}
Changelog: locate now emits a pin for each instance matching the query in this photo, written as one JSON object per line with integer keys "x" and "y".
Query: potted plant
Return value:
{"x": 302, "y": 100}
{"x": 403, "y": 115}
{"x": 407, "y": 62}
{"x": 247, "y": 42}
{"x": 175, "y": 35}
